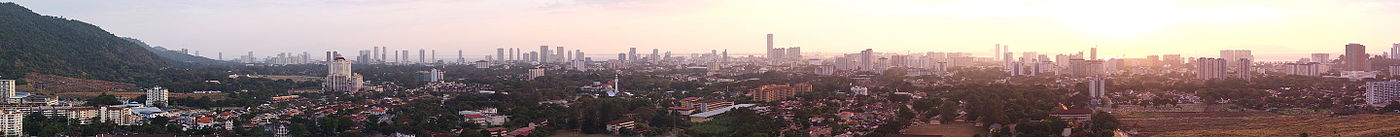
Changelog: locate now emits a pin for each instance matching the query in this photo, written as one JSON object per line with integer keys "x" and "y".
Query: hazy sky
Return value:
{"x": 1272, "y": 28}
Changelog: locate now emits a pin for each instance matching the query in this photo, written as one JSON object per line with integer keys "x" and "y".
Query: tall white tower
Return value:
{"x": 157, "y": 96}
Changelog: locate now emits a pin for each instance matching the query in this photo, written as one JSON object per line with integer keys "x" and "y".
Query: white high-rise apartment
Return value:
{"x": 7, "y": 88}
{"x": 1395, "y": 51}
{"x": 1382, "y": 92}
{"x": 1210, "y": 68}
{"x": 157, "y": 96}
{"x": 1321, "y": 58}
{"x": 340, "y": 78}
{"x": 434, "y": 75}
{"x": 1096, "y": 89}
{"x": 11, "y": 123}
{"x": 535, "y": 73}
{"x": 1232, "y": 57}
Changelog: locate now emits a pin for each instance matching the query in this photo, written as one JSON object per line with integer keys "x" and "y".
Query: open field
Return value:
{"x": 84, "y": 95}
{"x": 946, "y": 129}
{"x": 1259, "y": 124}
{"x": 566, "y": 133}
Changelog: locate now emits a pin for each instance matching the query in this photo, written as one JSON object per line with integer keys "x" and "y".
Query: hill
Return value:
{"x": 174, "y": 55}
{"x": 30, "y": 42}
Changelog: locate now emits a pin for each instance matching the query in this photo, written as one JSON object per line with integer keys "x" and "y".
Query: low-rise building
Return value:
{"x": 625, "y": 123}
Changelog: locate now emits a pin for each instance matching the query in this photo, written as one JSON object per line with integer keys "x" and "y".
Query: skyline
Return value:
{"x": 1273, "y": 30}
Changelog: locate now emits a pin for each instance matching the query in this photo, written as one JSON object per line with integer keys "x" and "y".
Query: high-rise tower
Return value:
{"x": 769, "y": 50}
{"x": 1356, "y": 58}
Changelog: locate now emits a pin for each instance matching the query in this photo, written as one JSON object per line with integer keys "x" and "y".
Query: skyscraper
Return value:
{"x": 769, "y": 50}
{"x": 865, "y": 60}
{"x": 157, "y": 96}
{"x": 793, "y": 53}
{"x": 1096, "y": 89}
{"x": 1242, "y": 69}
{"x": 340, "y": 78}
{"x": 1210, "y": 68}
{"x": 996, "y": 53}
{"x": 535, "y": 72}
{"x": 1356, "y": 58}
{"x": 1093, "y": 53}
{"x": 7, "y": 88}
{"x": 500, "y": 54}
{"x": 1232, "y": 57}
{"x": 1395, "y": 51}
{"x": 374, "y": 55}
{"x": 632, "y": 54}
{"x": 422, "y": 56}
{"x": 1006, "y": 62}
{"x": 544, "y": 53}
{"x": 559, "y": 54}
{"x": 1172, "y": 59}
{"x": 1321, "y": 58}
{"x": 1382, "y": 92}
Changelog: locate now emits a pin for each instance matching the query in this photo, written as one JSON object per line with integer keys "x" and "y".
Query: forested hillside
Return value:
{"x": 30, "y": 42}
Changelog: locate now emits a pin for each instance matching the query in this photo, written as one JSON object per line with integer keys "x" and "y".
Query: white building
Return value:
{"x": 481, "y": 64}
{"x": 11, "y": 123}
{"x": 340, "y": 78}
{"x": 157, "y": 96}
{"x": 1305, "y": 69}
{"x": 535, "y": 72}
{"x": 825, "y": 70}
{"x": 434, "y": 75}
{"x": 1382, "y": 92}
{"x": 7, "y": 88}
{"x": 1096, "y": 89}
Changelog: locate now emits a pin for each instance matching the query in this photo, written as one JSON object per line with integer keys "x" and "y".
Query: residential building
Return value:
{"x": 11, "y": 123}
{"x": 1321, "y": 58}
{"x": 7, "y": 88}
{"x": 1210, "y": 68}
{"x": 825, "y": 70}
{"x": 481, "y": 64}
{"x": 1096, "y": 89}
{"x": 1356, "y": 58}
{"x": 620, "y": 124}
{"x": 776, "y": 92}
{"x": 1243, "y": 69}
{"x": 1382, "y": 92}
{"x": 535, "y": 72}
{"x": 1305, "y": 69}
{"x": 434, "y": 75}
{"x": 157, "y": 97}
{"x": 1232, "y": 56}
{"x": 340, "y": 78}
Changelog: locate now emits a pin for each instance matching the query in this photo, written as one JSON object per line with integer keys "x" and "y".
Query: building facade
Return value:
{"x": 1382, "y": 92}
{"x": 1356, "y": 58}
{"x": 157, "y": 96}
{"x": 1210, "y": 68}
{"x": 777, "y": 92}
{"x": 341, "y": 78}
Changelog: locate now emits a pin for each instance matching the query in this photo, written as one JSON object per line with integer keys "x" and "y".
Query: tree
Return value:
{"x": 1392, "y": 107}
{"x": 104, "y": 100}
{"x": 1102, "y": 124}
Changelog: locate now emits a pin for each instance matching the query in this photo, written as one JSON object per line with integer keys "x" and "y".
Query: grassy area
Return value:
{"x": 1263, "y": 124}
{"x": 566, "y": 133}
{"x": 946, "y": 129}
{"x": 84, "y": 95}
{"x": 1301, "y": 111}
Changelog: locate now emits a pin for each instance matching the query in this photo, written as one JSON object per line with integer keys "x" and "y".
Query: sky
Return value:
{"x": 1273, "y": 29}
